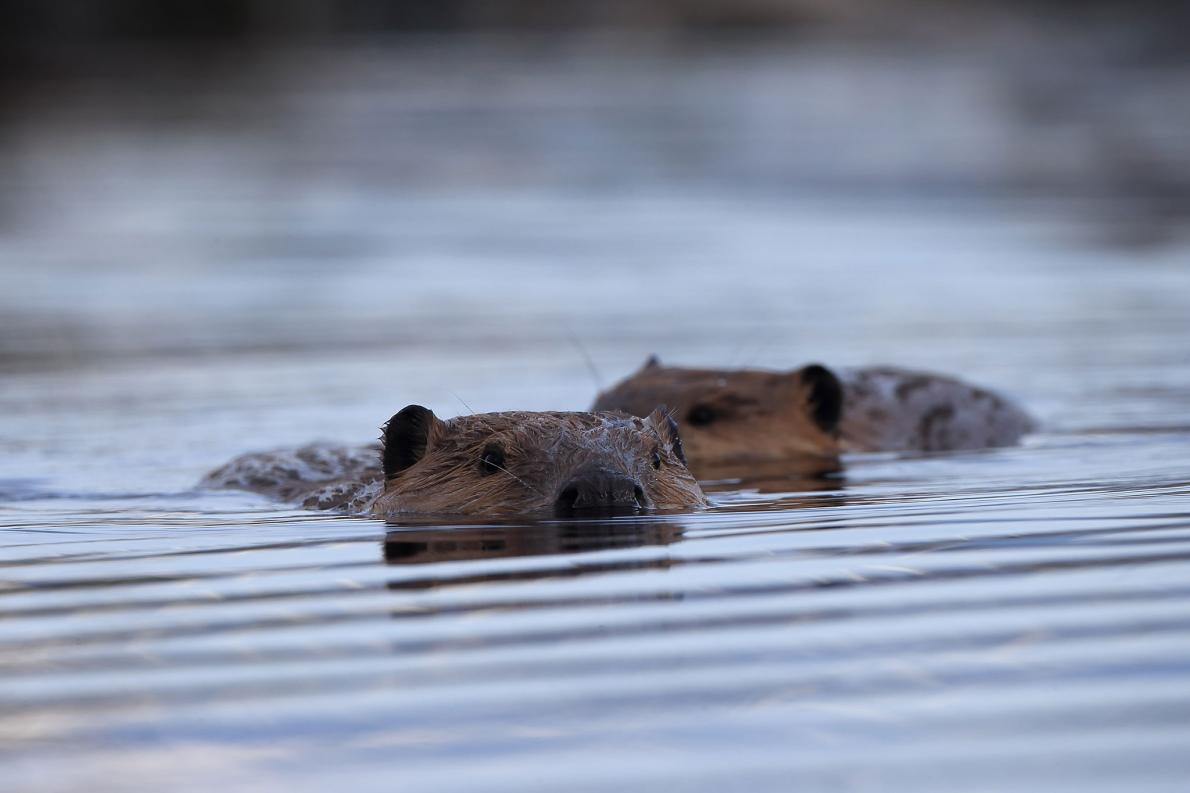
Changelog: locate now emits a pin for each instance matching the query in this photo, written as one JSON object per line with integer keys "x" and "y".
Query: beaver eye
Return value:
{"x": 700, "y": 416}
{"x": 491, "y": 461}
{"x": 656, "y": 460}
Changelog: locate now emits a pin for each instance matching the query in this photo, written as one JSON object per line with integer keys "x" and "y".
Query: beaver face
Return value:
{"x": 741, "y": 416}
{"x": 518, "y": 463}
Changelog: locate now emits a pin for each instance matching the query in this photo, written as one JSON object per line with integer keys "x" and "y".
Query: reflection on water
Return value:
{"x": 807, "y": 481}
{"x": 316, "y": 255}
{"x": 944, "y": 630}
{"x": 441, "y": 544}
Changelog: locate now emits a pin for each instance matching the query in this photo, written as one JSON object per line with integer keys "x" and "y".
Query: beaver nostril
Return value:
{"x": 568, "y": 497}
{"x": 598, "y": 490}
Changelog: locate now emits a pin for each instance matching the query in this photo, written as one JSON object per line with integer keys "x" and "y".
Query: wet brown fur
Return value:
{"x": 758, "y": 416}
{"x": 542, "y": 452}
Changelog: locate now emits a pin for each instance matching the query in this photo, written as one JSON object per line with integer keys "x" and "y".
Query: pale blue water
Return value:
{"x": 1008, "y": 619}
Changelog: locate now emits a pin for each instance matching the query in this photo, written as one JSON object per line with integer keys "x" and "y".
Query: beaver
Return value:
{"x": 809, "y": 415}
{"x": 489, "y": 464}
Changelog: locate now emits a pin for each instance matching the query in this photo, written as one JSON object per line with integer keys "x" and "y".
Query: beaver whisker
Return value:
{"x": 461, "y": 401}
{"x": 747, "y": 341}
{"x": 587, "y": 359}
{"x": 514, "y": 476}
{"x": 657, "y": 434}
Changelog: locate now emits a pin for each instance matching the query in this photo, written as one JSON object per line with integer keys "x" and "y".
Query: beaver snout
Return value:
{"x": 596, "y": 490}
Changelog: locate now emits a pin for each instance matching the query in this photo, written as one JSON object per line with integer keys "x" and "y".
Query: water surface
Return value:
{"x": 1006, "y": 618}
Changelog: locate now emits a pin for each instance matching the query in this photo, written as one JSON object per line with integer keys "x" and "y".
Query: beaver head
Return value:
{"x": 742, "y": 415}
{"x": 517, "y": 463}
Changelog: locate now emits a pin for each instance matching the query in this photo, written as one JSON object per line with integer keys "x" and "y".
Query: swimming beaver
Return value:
{"x": 491, "y": 464}
{"x": 745, "y": 415}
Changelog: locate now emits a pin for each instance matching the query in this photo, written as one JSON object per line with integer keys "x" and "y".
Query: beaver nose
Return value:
{"x": 600, "y": 491}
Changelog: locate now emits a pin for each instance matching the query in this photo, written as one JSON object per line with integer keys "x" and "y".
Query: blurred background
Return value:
{"x": 421, "y": 199}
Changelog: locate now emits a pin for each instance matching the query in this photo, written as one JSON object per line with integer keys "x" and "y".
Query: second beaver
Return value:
{"x": 812, "y": 414}
{"x": 490, "y": 464}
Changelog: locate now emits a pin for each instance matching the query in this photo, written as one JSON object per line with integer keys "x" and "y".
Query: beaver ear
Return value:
{"x": 405, "y": 438}
{"x": 824, "y": 396}
{"x": 664, "y": 425}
